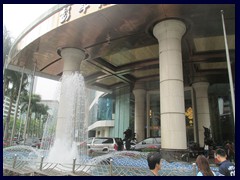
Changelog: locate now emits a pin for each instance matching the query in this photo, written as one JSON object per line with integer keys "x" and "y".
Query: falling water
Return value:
{"x": 71, "y": 124}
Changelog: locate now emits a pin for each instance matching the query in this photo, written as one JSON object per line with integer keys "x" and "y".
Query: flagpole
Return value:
{"x": 229, "y": 68}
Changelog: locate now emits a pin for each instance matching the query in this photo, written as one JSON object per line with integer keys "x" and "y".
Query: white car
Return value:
{"x": 149, "y": 144}
{"x": 103, "y": 145}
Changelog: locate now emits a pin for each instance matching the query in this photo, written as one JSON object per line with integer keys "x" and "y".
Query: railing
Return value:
{"x": 15, "y": 166}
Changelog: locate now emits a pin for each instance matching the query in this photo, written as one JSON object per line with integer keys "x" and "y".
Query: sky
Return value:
{"x": 17, "y": 17}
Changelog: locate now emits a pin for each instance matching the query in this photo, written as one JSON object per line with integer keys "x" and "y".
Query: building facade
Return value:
{"x": 6, "y": 103}
{"x": 163, "y": 66}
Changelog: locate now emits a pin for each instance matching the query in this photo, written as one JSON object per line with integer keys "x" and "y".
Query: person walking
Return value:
{"x": 154, "y": 163}
{"x": 226, "y": 167}
{"x": 203, "y": 166}
{"x": 230, "y": 151}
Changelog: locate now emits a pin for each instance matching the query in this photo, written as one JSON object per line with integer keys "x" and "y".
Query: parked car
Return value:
{"x": 32, "y": 141}
{"x": 149, "y": 144}
{"x": 103, "y": 145}
{"x": 132, "y": 144}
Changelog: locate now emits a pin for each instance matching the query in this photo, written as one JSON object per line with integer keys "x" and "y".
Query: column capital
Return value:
{"x": 139, "y": 85}
{"x": 169, "y": 28}
{"x": 72, "y": 58}
{"x": 200, "y": 84}
{"x": 197, "y": 79}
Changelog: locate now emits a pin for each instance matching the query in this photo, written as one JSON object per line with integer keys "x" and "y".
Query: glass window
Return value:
{"x": 157, "y": 140}
{"x": 105, "y": 108}
{"x": 103, "y": 141}
{"x": 154, "y": 115}
{"x": 149, "y": 141}
{"x": 108, "y": 141}
{"x": 89, "y": 140}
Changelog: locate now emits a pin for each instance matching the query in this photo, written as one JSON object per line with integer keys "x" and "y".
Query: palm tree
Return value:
{"x": 13, "y": 77}
{"x": 40, "y": 114}
{"x": 34, "y": 100}
{"x": 10, "y": 76}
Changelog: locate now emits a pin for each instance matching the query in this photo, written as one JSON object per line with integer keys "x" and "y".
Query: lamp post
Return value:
{"x": 229, "y": 68}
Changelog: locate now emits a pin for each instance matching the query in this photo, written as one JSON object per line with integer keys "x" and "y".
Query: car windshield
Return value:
{"x": 151, "y": 141}
{"x": 89, "y": 141}
{"x": 148, "y": 141}
{"x": 157, "y": 140}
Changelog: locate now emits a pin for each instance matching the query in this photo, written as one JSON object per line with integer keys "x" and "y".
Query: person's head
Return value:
{"x": 220, "y": 155}
{"x": 153, "y": 160}
{"x": 203, "y": 165}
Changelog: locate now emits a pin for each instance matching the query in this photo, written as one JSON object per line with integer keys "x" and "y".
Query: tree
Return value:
{"x": 34, "y": 100}
{"x": 7, "y": 43}
{"x": 10, "y": 76}
{"x": 42, "y": 112}
{"x": 13, "y": 77}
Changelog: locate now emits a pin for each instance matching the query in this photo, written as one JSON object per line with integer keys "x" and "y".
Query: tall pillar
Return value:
{"x": 72, "y": 59}
{"x": 139, "y": 119}
{"x": 173, "y": 127}
{"x": 202, "y": 104}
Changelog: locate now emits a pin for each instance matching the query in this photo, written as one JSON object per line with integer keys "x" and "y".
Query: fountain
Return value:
{"x": 71, "y": 126}
{"x": 72, "y": 129}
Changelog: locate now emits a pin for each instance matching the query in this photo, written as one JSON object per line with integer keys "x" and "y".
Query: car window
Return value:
{"x": 108, "y": 141}
{"x": 103, "y": 141}
{"x": 89, "y": 141}
{"x": 118, "y": 140}
{"x": 157, "y": 140}
{"x": 148, "y": 141}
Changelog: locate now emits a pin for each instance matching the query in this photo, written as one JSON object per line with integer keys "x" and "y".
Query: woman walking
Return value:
{"x": 203, "y": 166}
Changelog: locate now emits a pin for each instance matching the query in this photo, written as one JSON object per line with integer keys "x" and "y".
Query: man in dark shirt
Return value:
{"x": 226, "y": 168}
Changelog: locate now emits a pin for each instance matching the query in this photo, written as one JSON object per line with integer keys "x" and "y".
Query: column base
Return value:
{"x": 173, "y": 155}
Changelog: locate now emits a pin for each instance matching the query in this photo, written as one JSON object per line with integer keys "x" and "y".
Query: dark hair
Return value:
{"x": 153, "y": 158}
{"x": 203, "y": 166}
{"x": 220, "y": 152}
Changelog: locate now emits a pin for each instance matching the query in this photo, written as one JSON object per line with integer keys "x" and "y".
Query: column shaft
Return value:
{"x": 139, "y": 120}
{"x": 203, "y": 115}
{"x": 173, "y": 126}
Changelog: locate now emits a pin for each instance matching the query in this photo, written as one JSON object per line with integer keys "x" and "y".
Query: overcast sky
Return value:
{"x": 17, "y": 17}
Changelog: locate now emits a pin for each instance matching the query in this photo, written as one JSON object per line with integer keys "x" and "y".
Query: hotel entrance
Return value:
{"x": 153, "y": 127}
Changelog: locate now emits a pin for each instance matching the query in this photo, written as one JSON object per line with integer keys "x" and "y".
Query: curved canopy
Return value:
{"x": 120, "y": 45}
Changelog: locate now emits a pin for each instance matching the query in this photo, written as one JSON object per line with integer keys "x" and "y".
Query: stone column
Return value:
{"x": 139, "y": 119}
{"x": 202, "y": 104}
{"x": 72, "y": 59}
{"x": 173, "y": 127}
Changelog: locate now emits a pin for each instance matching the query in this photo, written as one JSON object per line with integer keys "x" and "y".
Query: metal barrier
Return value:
{"x": 19, "y": 167}
{"x": 121, "y": 163}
